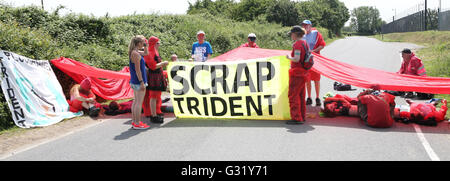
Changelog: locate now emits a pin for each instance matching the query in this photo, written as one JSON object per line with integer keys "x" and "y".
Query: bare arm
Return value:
{"x": 145, "y": 52}
{"x": 318, "y": 49}
{"x": 76, "y": 94}
{"x": 296, "y": 58}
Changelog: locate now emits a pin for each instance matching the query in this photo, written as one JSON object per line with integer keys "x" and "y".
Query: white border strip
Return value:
{"x": 433, "y": 156}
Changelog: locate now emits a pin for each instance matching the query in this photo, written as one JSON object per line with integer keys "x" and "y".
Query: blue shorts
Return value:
{"x": 136, "y": 86}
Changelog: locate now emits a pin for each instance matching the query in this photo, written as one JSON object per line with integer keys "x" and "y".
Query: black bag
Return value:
{"x": 342, "y": 87}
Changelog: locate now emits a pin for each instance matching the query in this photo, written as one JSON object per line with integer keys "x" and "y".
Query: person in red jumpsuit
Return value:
{"x": 411, "y": 65}
{"x": 423, "y": 112}
{"x": 82, "y": 98}
{"x": 156, "y": 82}
{"x": 297, "y": 77}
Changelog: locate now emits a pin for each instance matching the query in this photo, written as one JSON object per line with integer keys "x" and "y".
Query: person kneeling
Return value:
{"x": 82, "y": 98}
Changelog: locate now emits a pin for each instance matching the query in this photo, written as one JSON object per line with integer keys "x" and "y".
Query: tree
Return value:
{"x": 218, "y": 7}
{"x": 366, "y": 20}
{"x": 331, "y": 14}
{"x": 249, "y": 10}
{"x": 284, "y": 12}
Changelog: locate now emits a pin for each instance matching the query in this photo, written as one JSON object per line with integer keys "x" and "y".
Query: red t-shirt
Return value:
{"x": 378, "y": 109}
{"x": 297, "y": 67}
{"x": 248, "y": 45}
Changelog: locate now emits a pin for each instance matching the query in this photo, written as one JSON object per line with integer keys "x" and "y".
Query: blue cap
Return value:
{"x": 307, "y": 22}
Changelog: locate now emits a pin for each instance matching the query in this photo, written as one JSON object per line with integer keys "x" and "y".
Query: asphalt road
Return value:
{"x": 340, "y": 138}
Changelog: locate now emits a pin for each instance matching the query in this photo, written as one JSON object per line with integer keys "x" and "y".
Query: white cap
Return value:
{"x": 251, "y": 35}
{"x": 200, "y": 32}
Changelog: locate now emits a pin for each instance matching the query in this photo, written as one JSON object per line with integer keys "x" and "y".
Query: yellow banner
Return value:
{"x": 247, "y": 89}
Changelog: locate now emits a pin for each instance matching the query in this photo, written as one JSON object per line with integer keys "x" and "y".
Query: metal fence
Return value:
{"x": 444, "y": 21}
{"x": 413, "y": 22}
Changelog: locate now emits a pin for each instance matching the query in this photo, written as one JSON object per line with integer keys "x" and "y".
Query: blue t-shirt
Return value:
{"x": 201, "y": 50}
{"x": 311, "y": 39}
{"x": 134, "y": 78}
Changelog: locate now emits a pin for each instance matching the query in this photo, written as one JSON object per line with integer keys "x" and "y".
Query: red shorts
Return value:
{"x": 313, "y": 76}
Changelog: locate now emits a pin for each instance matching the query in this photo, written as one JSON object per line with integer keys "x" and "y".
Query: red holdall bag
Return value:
{"x": 376, "y": 109}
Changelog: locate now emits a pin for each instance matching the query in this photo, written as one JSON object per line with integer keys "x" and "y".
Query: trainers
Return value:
{"x": 140, "y": 126}
{"x": 294, "y": 122}
{"x": 308, "y": 101}
{"x": 157, "y": 119}
{"x": 318, "y": 102}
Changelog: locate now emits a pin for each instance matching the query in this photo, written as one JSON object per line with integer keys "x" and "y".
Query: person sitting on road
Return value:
{"x": 81, "y": 97}
{"x": 251, "y": 41}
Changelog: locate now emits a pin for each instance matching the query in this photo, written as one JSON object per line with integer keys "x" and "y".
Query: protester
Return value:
{"x": 424, "y": 113}
{"x": 81, "y": 97}
{"x": 297, "y": 77}
{"x": 201, "y": 50}
{"x": 316, "y": 44}
{"x": 157, "y": 82}
{"x": 115, "y": 108}
{"x": 411, "y": 65}
{"x": 138, "y": 80}
{"x": 251, "y": 41}
{"x": 174, "y": 58}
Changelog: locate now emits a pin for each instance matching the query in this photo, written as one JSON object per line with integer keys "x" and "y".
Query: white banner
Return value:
{"x": 32, "y": 91}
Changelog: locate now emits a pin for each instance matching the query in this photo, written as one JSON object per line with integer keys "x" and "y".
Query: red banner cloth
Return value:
{"x": 350, "y": 74}
{"x": 112, "y": 85}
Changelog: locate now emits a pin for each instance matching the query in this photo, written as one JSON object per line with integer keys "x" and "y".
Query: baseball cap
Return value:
{"x": 295, "y": 29}
{"x": 251, "y": 35}
{"x": 200, "y": 32}
{"x": 406, "y": 50}
{"x": 307, "y": 22}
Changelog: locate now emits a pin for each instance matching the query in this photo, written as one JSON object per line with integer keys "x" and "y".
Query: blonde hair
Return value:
{"x": 134, "y": 41}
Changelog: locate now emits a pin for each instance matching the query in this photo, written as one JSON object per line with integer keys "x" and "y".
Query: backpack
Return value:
{"x": 308, "y": 60}
{"x": 341, "y": 87}
{"x": 379, "y": 112}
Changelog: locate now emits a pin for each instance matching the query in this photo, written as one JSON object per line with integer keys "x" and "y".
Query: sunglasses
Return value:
{"x": 252, "y": 39}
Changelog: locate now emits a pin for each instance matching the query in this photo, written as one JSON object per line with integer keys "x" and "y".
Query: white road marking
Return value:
{"x": 433, "y": 156}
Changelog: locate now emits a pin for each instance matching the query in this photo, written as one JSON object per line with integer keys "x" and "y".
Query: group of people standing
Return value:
{"x": 148, "y": 81}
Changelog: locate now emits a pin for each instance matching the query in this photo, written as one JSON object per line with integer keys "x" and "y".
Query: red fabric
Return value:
{"x": 113, "y": 86}
{"x": 378, "y": 109}
{"x": 248, "y": 45}
{"x": 86, "y": 84}
{"x": 296, "y": 94}
{"x": 350, "y": 74}
{"x": 149, "y": 94}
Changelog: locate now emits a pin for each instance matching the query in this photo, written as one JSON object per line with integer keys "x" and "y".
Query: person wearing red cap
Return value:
{"x": 297, "y": 77}
{"x": 156, "y": 82}
{"x": 81, "y": 97}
